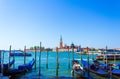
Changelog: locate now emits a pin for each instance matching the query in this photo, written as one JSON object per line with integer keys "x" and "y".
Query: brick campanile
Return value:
{"x": 61, "y": 43}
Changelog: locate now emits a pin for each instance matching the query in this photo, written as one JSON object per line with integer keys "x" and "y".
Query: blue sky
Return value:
{"x": 92, "y": 23}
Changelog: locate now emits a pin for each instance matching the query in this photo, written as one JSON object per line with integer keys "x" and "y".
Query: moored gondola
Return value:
{"x": 22, "y": 69}
{"x": 94, "y": 69}
{"x": 5, "y": 67}
{"x": 80, "y": 73}
{"x": 77, "y": 69}
{"x": 20, "y": 54}
{"x": 115, "y": 70}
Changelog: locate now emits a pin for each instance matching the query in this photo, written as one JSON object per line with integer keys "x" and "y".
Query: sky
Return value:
{"x": 92, "y": 23}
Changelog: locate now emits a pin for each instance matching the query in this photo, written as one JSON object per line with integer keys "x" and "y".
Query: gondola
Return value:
{"x": 114, "y": 71}
{"x": 4, "y": 67}
{"x": 77, "y": 70}
{"x": 94, "y": 69}
{"x": 27, "y": 66}
{"x": 20, "y": 54}
{"x": 22, "y": 69}
{"x": 100, "y": 65}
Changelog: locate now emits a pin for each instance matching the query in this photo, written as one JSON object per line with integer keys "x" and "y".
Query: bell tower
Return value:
{"x": 61, "y": 43}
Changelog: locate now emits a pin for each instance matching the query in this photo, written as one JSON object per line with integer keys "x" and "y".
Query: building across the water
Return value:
{"x": 64, "y": 48}
{"x": 117, "y": 49}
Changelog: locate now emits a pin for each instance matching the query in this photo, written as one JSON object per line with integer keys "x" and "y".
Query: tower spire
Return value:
{"x": 60, "y": 38}
{"x": 61, "y": 43}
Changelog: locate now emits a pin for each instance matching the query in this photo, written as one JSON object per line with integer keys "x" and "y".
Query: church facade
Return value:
{"x": 66, "y": 48}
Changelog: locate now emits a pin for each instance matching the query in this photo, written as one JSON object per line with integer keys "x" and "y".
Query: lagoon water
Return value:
{"x": 50, "y": 73}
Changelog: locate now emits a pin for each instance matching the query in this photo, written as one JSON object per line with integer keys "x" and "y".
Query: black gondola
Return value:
{"x": 5, "y": 67}
{"x": 20, "y": 54}
{"x": 94, "y": 69}
{"x": 78, "y": 71}
{"x": 103, "y": 66}
{"x": 22, "y": 69}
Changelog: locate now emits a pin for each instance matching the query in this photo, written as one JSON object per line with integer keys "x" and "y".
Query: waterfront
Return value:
{"x": 63, "y": 72}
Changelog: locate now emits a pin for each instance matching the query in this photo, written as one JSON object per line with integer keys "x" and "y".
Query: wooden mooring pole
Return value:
{"x": 106, "y": 57}
{"x": 1, "y": 58}
{"x": 40, "y": 60}
{"x": 110, "y": 71}
{"x": 9, "y": 57}
{"x": 92, "y": 55}
{"x": 68, "y": 58}
{"x": 35, "y": 57}
{"x": 57, "y": 64}
{"x": 88, "y": 61}
{"x": 72, "y": 53}
{"x": 25, "y": 55}
{"x": 81, "y": 53}
{"x": 47, "y": 60}
{"x": 72, "y": 56}
{"x": 114, "y": 57}
{"x": 14, "y": 59}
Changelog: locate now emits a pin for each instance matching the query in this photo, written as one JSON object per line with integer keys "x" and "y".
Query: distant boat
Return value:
{"x": 109, "y": 56}
{"x": 20, "y": 54}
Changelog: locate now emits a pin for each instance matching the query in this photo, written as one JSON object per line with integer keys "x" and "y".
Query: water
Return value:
{"x": 63, "y": 72}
